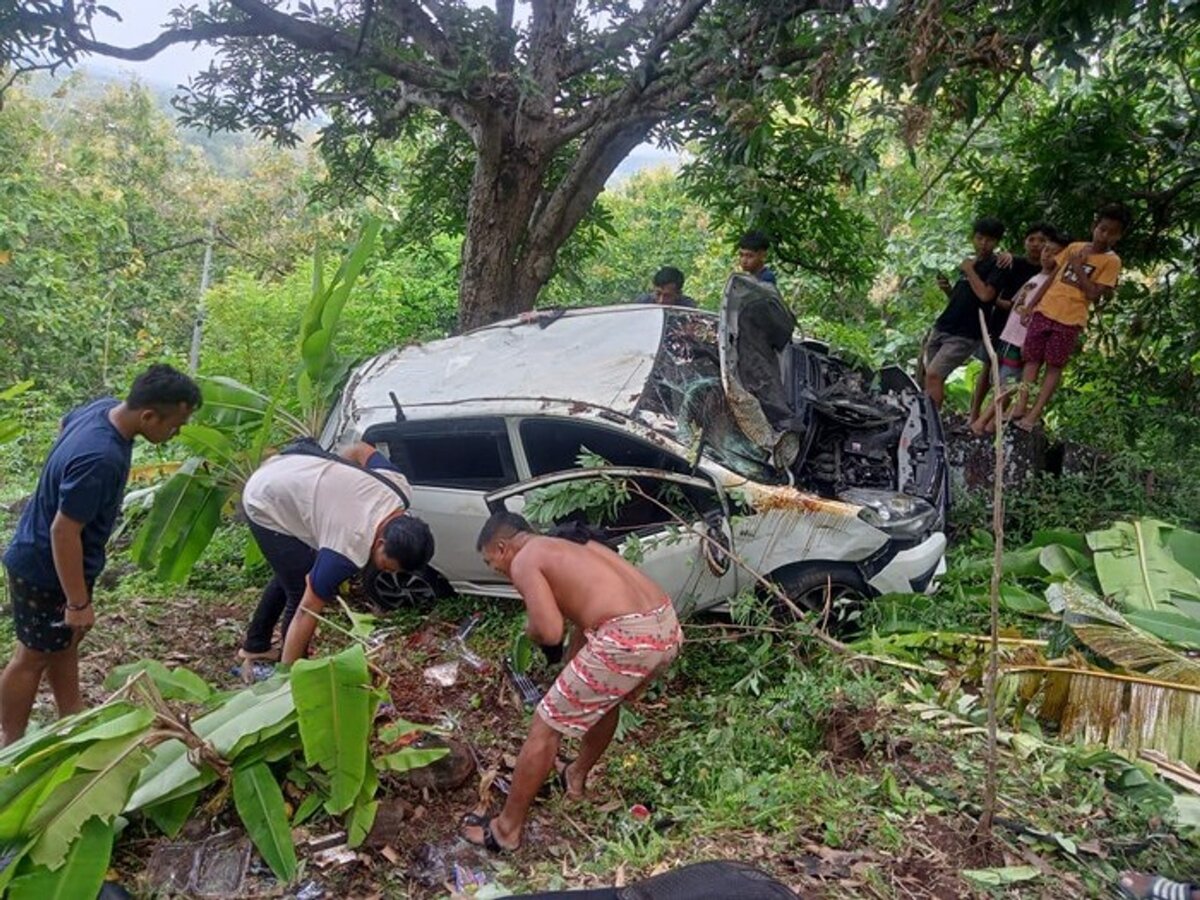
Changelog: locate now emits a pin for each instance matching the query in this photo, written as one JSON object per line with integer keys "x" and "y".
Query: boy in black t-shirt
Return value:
{"x": 956, "y": 333}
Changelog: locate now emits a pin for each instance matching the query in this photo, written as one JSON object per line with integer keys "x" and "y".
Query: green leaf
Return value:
{"x": 1017, "y": 599}
{"x": 209, "y": 442}
{"x": 1000, "y": 876}
{"x": 1185, "y": 548}
{"x": 170, "y": 815}
{"x": 229, "y": 404}
{"x": 522, "y": 653}
{"x": 259, "y": 803}
{"x": 1134, "y": 565}
{"x": 185, "y": 514}
{"x": 81, "y": 875}
{"x": 173, "y": 684}
{"x": 411, "y": 758}
{"x": 249, "y": 716}
{"x": 398, "y": 728}
{"x": 362, "y": 815}
{"x": 1167, "y": 625}
{"x": 333, "y": 705}
{"x": 23, "y": 791}
{"x": 309, "y": 805}
{"x": 102, "y": 792}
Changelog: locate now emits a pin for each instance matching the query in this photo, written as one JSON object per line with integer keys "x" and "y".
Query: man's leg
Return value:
{"x": 261, "y": 632}
{"x": 62, "y": 671}
{"x": 591, "y": 748}
{"x": 935, "y": 387}
{"x": 534, "y": 763}
{"x": 1049, "y": 386}
{"x": 982, "y": 384}
{"x": 1029, "y": 376}
{"x": 18, "y": 690}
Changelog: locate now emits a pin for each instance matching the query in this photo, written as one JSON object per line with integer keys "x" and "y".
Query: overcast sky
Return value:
{"x": 143, "y": 19}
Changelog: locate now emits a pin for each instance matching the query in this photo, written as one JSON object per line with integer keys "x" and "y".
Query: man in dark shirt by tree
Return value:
{"x": 58, "y": 549}
{"x": 957, "y": 334}
{"x": 668, "y": 289}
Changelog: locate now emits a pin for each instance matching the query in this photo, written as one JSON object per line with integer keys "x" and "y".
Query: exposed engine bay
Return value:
{"x": 782, "y": 410}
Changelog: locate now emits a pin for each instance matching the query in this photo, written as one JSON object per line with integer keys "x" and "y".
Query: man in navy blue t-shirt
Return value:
{"x": 752, "y": 256}
{"x": 58, "y": 549}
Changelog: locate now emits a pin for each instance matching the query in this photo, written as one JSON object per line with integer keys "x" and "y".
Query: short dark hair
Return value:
{"x": 408, "y": 541}
{"x": 989, "y": 226}
{"x": 501, "y": 524}
{"x": 754, "y": 240}
{"x": 668, "y": 275}
{"x": 1117, "y": 212}
{"x": 1040, "y": 228}
{"x": 163, "y": 389}
{"x": 1056, "y": 235}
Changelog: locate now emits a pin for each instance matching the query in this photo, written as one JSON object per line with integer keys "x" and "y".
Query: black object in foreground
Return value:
{"x": 529, "y": 692}
{"x": 716, "y": 880}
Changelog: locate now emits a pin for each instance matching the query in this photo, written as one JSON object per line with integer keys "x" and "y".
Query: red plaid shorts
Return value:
{"x": 1049, "y": 341}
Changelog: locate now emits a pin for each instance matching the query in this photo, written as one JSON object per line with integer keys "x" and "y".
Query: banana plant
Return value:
{"x": 237, "y": 425}
{"x": 63, "y": 790}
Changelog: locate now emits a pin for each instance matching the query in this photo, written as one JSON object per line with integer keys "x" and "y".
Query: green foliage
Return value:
{"x": 334, "y": 706}
{"x": 259, "y": 804}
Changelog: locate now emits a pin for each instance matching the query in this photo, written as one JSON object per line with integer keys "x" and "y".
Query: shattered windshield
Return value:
{"x": 684, "y": 398}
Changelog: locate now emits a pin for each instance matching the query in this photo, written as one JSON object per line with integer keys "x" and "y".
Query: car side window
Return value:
{"x": 554, "y": 445}
{"x": 466, "y": 454}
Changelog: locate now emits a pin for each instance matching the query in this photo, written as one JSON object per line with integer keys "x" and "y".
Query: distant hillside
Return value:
{"x": 225, "y": 151}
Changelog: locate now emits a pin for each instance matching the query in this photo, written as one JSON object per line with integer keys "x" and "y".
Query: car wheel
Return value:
{"x": 834, "y": 593}
{"x": 390, "y": 591}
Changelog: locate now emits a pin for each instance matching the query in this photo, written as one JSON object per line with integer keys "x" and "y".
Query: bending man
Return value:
{"x": 318, "y": 521}
{"x": 625, "y": 633}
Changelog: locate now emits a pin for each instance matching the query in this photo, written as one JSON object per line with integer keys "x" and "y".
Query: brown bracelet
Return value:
{"x": 78, "y": 608}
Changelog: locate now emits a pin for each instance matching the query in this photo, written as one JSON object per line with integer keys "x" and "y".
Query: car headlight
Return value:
{"x": 898, "y": 514}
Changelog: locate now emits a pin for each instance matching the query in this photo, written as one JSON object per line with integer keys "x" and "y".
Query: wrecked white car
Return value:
{"x": 829, "y": 479}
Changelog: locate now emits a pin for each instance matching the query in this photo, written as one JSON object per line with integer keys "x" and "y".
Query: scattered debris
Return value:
{"x": 215, "y": 867}
{"x": 442, "y": 675}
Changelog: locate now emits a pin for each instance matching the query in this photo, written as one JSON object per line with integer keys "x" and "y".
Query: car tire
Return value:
{"x": 389, "y": 591}
{"x": 807, "y": 585}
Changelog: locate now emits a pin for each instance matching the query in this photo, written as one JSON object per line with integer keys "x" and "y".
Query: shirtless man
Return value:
{"x": 625, "y": 633}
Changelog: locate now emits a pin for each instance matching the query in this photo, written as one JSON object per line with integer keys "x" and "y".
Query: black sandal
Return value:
{"x": 560, "y": 775}
{"x": 490, "y": 843}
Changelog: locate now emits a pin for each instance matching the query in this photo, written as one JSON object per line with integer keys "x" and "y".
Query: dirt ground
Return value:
{"x": 414, "y": 852}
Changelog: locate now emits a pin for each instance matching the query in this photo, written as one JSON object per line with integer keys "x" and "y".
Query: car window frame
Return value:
{"x": 394, "y": 435}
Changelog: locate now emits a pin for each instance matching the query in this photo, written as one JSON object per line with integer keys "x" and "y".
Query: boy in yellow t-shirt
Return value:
{"x": 1086, "y": 272}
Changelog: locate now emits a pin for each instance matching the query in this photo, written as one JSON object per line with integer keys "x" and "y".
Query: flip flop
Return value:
{"x": 559, "y": 782}
{"x": 1160, "y": 889}
{"x": 490, "y": 844}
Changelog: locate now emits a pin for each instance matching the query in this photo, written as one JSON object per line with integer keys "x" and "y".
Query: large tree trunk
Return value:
{"x": 504, "y": 190}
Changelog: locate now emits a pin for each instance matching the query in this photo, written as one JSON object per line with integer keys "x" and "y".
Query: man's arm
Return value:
{"x": 984, "y": 291}
{"x": 302, "y": 627}
{"x": 545, "y": 624}
{"x": 66, "y": 545}
{"x": 1092, "y": 290}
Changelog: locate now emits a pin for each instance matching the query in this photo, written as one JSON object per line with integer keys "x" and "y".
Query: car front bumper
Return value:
{"x": 914, "y": 570}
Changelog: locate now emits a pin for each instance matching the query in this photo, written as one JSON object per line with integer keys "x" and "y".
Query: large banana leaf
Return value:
{"x": 21, "y": 792}
{"x": 1135, "y": 563}
{"x": 181, "y": 523}
{"x": 100, "y": 790}
{"x": 321, "y": 371}
{"x": 1151, "y": 701}
{"x": 333, "y": 705}
{"x": 249, "y": 716}
{"x": 80, "y": 876}
{"x": 259, "y": 803}
{"x": 229, "y": 404}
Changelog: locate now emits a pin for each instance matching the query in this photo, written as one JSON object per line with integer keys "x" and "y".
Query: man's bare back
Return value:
{"x": 591, "y": 584}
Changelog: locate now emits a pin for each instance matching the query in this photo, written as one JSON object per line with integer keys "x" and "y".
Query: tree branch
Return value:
{"x": 412, "y": 20}
{"x": 612, "y": 44}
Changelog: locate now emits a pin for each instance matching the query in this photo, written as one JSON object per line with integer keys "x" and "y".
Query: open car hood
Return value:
{"x": 829, "y": 423}
{"x": 755, "y": 335}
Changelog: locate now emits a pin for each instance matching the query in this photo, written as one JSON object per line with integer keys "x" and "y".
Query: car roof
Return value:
{"x": 599, "y": 357}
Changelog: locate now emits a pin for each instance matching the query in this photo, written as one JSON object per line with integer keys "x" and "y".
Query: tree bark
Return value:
{"x": 504, "y": 191}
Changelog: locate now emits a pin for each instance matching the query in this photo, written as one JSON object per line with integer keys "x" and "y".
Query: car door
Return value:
{"x": 451, "y": 465}
{"x": 674, "y": 527}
